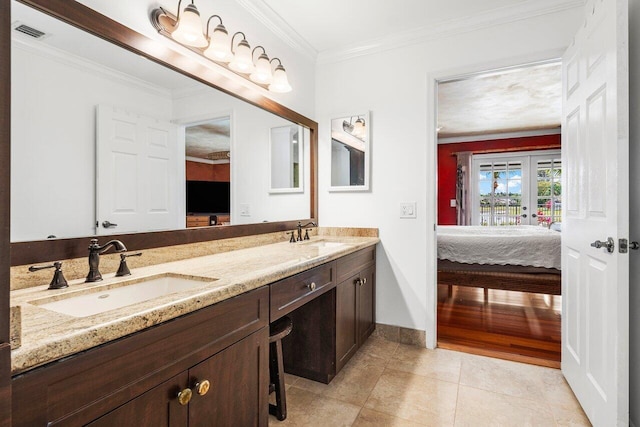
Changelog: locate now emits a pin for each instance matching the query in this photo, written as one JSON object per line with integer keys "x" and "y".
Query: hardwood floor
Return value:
{"x": 509, "y": 325}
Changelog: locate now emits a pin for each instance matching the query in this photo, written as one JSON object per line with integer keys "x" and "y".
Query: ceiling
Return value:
{"x": 515, "y": 100}
{"x": 333, "y": 24}
{"x": 205, "y": 139}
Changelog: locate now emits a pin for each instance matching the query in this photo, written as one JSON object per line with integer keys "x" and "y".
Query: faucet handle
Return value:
{"x": 306, "y": 234}
{"x": 58, "y": 281}
{"x": 123, "y": 269}
{"x": 292, "y": 239}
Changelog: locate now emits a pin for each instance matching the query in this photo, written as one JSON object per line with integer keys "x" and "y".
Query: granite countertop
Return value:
{"x": 47, "y": 335}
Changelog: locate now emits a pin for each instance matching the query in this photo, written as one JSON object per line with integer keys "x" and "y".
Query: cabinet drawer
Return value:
{"x": 351, "y": 264}
{"x": 293, "y": 292}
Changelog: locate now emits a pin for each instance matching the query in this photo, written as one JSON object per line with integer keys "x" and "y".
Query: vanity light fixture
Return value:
{"x": 357, "y": 129}
{"x": 186, "y": 29}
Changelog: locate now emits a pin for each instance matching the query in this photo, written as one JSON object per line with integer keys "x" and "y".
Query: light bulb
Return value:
{"x": 280, "y": 82}
{"x": 262, "y": 73}
{"x": 219, "y": 46}
{"x": 189, "y": 28}
{"x": 242, "y": 61}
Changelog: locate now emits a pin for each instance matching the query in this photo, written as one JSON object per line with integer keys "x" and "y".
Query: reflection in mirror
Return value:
{"x": 208, "y": 172}
{"x": 286, "y": 159}
{"x": 58, "y": 83}
{"x": 350, "y": 151}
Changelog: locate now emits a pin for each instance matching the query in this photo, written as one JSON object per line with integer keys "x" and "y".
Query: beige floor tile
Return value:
{"x": 376, "y": 351}
{"x": 503, "y": 376}
{"x": 371, "y": 418}
{"x": 568, "y": 417}
{"x": 306, "y": 409}
{"x": 557, "y": 392}
{"x": 353, "y": 384}
{"x": 440, "y": 364}
{"x": 414, "y": 398}
{"x": 477, "y": 408}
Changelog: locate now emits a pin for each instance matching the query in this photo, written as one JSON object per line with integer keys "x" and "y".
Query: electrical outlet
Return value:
{"x": 407, "y": 209}
{"x": 245, "y": 209}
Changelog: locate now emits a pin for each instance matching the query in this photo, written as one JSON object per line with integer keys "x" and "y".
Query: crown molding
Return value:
{"x": 490, "y": 18}
{"x": 501, "y": 135}
{"x": 278, "y": 26}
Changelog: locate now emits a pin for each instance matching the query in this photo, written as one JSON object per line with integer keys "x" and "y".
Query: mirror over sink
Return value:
{"x": 66, "y": 184}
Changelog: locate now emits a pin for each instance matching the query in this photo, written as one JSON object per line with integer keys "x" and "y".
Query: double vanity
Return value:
{"x": 195, "y": 351}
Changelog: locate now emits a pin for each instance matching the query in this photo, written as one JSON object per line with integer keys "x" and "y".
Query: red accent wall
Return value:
{"x": 447, "y": 164}
{"x": 219, "y": 172}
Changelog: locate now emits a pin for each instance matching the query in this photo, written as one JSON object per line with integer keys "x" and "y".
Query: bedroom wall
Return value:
{"x": 447, "y": 165}
{"x": 393, "y": 85}
{"x": 219, "y": 172}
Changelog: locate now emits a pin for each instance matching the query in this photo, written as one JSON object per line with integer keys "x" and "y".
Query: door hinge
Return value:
{"x": 623, "y": 246}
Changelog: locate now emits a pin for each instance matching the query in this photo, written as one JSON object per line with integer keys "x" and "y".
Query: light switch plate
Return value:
{"x": 452, "y": 203}
{"x": 245, "y": 209}
{"x": 407, "y": 209}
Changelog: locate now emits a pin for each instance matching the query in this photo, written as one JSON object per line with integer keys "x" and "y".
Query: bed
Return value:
{"x": 523, "y": 258}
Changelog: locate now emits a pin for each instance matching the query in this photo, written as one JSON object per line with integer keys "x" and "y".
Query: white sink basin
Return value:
{"x": 325, "y": 244}
{"x": 110, "y": 297}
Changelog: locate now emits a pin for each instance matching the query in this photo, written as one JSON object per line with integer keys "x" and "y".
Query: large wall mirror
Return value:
{"x": 350, "y": 152}
{"x": 107, "y": 141}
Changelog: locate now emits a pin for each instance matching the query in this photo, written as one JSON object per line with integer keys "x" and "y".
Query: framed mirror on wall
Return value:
{"x": 151, "y": 87}
{"x": 350, "y": 152}
{"x": 286, "y": 159}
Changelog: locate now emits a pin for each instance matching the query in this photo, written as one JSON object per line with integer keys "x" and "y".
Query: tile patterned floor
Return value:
{"x": 390, "y": 384}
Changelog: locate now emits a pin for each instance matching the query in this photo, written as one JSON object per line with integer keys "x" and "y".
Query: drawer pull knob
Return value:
{"x": 364, "y": 281}
{"x": 185, "y": 396}
{"x": 358, "y": 282}
{"x": 202, "y": 387}
{"x": 312, "y": 286}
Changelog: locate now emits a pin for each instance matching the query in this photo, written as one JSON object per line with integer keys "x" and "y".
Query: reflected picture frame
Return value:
{"x": 350, "y": 152}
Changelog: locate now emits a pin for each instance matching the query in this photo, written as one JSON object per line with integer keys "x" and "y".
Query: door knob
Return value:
{"x": 108, "y": 224}
{"x": 523, "y": 215}
{"x": 609, "y": 244}
{"x": 634, "y": 245}
{"x": 534, "y": 215}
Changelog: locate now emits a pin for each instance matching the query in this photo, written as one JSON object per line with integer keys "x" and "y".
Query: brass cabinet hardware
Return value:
{"x": 312, "y": 286}
{"x": 185, "y": 396}
{"x": 202, "y": 387}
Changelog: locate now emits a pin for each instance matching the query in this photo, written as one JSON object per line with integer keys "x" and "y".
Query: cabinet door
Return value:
{"x": 238, "y": 385}
{"x": 157, "y": 407}
{"x": 346, "y": 323}
{"x": 366, "y": 304}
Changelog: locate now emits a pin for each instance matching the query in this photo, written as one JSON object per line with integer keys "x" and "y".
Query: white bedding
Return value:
{"x": 527, "y": 245}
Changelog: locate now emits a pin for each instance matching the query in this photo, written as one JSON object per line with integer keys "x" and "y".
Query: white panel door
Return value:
{"x": 595, "y": 281}
{"x": 139, "y": 173}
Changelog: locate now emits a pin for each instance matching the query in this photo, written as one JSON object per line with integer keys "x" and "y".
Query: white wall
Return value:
{"x": 53, "y": 102}
{"x": 634, "y": 226}
{"x": 393, "y": 85}
{"x": 300, "y": 68}
{"x": 250, "y": 169}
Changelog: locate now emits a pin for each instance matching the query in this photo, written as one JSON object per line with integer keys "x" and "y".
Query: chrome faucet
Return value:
{"x": 94, "y": 257}
{"x": 300, "y": 227}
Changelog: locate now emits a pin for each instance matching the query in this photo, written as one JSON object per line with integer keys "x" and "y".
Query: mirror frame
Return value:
{"x": 95, "y": 23}
{"x": 367, "y": 155}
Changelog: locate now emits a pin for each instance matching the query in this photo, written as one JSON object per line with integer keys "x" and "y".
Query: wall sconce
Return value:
{"x": 357, "y": 129}
{"x": 186, "y": 29}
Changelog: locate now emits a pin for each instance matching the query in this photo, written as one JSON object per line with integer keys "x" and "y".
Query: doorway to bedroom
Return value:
{"x": 499, "y": 211}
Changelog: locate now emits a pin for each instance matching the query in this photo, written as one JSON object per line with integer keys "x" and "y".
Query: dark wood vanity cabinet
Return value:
{"x": 355, "y": 303}
{"x": 329, "y": 328}
{"x": 136, "y": 380}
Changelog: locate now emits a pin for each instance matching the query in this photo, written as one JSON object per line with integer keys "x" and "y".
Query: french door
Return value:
{"x": 517, "y": 189}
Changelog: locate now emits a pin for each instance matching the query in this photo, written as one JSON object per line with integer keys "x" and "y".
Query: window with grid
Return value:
{"x": 549, "y": 194}
{"x": 500, "y": 187}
